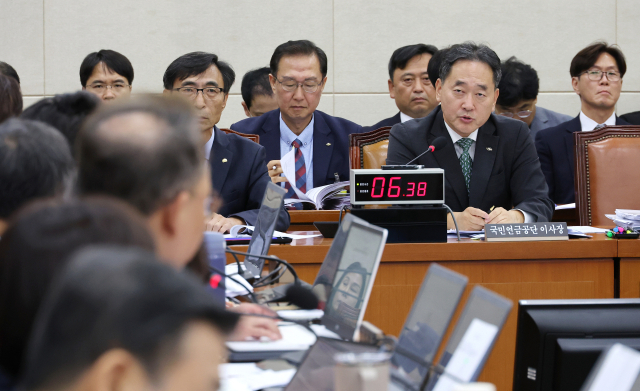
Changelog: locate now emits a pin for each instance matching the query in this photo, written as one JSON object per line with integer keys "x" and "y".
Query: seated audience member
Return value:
{"x": 237, "y": 166}
{"x": 107, "y": 74}
{"x": 153, "y": 328}
{"x": 7, "y": 70}
{"x": 10, "y": 98}
{"x": 35, "y": 162}
{"x": 36, "y": 247}
{"x": 65, "y": 112}
{"x": 596, "y": 76}
{"x": 409, "y": 84}
{"x": 298, "y": 76}
{"x": 518, "y": 97}
{"x": 632, "y": 118}
{"x": 489, "y": 161}
{"x": 257, "y": 95}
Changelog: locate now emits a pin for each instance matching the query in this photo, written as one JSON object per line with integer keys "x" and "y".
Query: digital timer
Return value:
{"x": 422, "y": 186}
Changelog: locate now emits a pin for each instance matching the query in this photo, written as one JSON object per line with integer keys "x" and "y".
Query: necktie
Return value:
{"x": 301, "y": 171}
{"x": 465, "y": 159}
{"x": 599, "y": 126}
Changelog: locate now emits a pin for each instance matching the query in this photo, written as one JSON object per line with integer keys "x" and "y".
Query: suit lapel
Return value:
{"x": 571, "y": 127}
{"x": 448, "y": 160}
{"x": 270, "y": 135}
{"x": 483, "y": 160}
{"x": 323, "y": 145}
{"x": 220, "y": 159}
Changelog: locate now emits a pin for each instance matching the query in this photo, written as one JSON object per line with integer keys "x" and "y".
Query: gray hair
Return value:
{"x": 472, "y": 52}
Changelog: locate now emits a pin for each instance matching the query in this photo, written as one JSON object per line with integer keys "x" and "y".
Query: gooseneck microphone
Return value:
{"x": 438, "y": 143}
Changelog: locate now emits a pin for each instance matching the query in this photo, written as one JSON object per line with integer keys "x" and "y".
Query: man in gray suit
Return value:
{"x": 518, "y": 97}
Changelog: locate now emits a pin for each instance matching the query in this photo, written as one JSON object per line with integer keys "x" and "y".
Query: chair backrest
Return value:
{"x": 606, "y": 177}
{"x": 252, "y": 137}
{"x": 369, "y": 150}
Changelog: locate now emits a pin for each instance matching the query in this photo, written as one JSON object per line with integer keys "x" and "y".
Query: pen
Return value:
{"x": 491, "y": 210}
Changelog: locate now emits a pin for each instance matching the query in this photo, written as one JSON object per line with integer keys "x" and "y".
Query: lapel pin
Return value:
{"x": 489, "y": 149}
{"x": 328, "y": 144}
{"x": 224, "y": 160}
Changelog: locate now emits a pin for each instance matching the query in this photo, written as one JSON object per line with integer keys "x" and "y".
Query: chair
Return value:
{"x": 252, "y": 137}
{"x": 369, "y": 150}
{"x": 606, "y": 174}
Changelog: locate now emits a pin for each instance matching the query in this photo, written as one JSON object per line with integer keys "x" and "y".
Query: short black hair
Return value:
{"x": 65, "y": 112}
{"x": 471, "y": 51}
{"x": 37, "y": 244}
{"x": 298, "y": 48}
{"x": 255, "y": 82}
{"x": 113, "y": 60}
{"x": 403, "y": 55}
{"x": 35, "y": 162}
{"x": 433, "y": 69}
{"x": 519, "y": 82}
{"x": 10, "y": 98}
{"x": 123, "y": 162}
{"x": 588, "y": 56}
{"x": 7, "y": 70}
{"x": 195, "y": 63}
{"x": 109, "y": 298}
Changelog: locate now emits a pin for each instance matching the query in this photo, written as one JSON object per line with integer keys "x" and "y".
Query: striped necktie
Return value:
{"x": 301, "y": 171}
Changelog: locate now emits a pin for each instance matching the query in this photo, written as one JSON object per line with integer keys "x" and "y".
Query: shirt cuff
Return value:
{"x": 528, "y": 217}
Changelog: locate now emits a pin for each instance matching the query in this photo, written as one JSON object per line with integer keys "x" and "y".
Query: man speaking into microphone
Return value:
{"x": 491, "y": 167}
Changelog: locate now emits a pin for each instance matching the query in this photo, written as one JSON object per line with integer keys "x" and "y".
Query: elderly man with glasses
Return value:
{"x": 321, "y": 141}
{"x": 238, "y": 173}
{"x": 596, "y": 76}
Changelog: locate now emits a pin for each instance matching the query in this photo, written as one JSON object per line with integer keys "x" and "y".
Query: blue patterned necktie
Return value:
{"x": 465, "y": 159}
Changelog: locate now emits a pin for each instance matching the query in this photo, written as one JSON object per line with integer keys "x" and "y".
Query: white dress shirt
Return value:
{"x": 209, "y": 144}
{"x": 404, "y": 118}
{"x": 588, "y": 124}
{"x": 306, "y": 138}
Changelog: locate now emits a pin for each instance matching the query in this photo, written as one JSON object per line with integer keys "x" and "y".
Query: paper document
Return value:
{"x": 583, "y": 229}
{"x": 472, "y": 348}
{"x": 618, "y": 371}
{"x": 566, "y": 206}
{"x": 288, "y": 164}
{"x": 233, "y": 233}
{"x": 301, "y": 314}
{"x": 240, "y": 377}
{"x": 294, "y": 337}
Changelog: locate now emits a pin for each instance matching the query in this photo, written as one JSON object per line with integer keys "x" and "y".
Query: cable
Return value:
{"x": 215, "y": 270}
{"x": 237, "y": 262}
{"x": 270, "y": 258}
{"x": 266, "y": 280}
{"x": 454, "y": 220}
{"x": 342, "y": 208}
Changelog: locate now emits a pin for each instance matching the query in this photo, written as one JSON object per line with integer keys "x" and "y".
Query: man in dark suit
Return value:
{"x": 490, "y": 162}
{"x": 596, "y": 76}
{"x": 632, "y": 118}
{"x": 409, "y": 84}
{"x": 238, "y": 173}
{"x": 298, "y": 76}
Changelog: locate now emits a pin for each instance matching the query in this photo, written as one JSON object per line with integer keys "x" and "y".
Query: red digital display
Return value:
{"x": 398, "y": 187}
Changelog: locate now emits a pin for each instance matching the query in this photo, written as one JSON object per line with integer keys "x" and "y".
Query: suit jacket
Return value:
{"x": 555, "y": 148}
{"x": 330, "y": 142}
{"x": 240, "y": 177}
{"x": 385, "y": 122}
{"x": 505, "y": 173}
{"x": 545, "y": 118}
{"x": 632, "y": 118}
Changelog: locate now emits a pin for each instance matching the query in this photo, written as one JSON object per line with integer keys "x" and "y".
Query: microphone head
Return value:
{"x": 301, "y": 297}
{"x": 439, "y": 142}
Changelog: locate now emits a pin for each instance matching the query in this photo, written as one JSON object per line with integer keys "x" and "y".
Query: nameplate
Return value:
{"x": 525, "y": 231}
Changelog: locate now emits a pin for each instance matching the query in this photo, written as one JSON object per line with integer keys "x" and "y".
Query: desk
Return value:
{"x": 629, "y": 253}
{"x": 578, "y": 268}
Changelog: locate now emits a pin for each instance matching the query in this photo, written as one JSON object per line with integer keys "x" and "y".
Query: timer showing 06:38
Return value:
{"x": 380, "y": 188}
{"x": 397, "y": 187}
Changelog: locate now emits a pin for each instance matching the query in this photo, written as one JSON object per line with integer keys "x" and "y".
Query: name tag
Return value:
{"x": 525, "y": 231}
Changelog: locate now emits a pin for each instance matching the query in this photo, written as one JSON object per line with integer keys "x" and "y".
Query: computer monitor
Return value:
{"x": 263, "y": 230}
{"x": 559, "y": 341}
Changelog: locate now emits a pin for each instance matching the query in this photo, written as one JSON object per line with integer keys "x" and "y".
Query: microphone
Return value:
{"x": 301, "y": 297}
{"x": 215, "y": 245}
{"x": 438, "y": 143}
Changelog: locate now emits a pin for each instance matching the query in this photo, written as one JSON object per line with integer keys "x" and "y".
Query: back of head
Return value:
{"x": 11, "y": 98}
{"x": 113, "y": 60}
{"x": 433, "y": 69}
{"x": 65, "y": 112}
{"x": 35, "y": 162}
{"x": 403, "y": 55}
{"x": 519, "y": 82}
{"x": 195, "y": 63}
{"x": 470, "y": 51}
{"x": 7, "y": 70}
{"x": 588, "y": 56}
{"x": 132, "y": 302}
{"x": 255, "y": 82}
{"x": 144, "y": 151}
{"x": 37, "y": 245}
{"x": 298, "y": 48}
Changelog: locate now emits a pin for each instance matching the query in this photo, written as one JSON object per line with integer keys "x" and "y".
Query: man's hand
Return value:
{"x": 219, "y": 223}
{"x": 503, "y": 216}
{"x": 253, "y": 327}
{"x": 275, "y": 169}
{"x": 471, "y": 219}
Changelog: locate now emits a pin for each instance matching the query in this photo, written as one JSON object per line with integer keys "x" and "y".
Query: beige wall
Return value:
{"x": 46, "y": 40}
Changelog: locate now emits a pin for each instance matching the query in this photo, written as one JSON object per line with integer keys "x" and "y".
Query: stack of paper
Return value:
{"x": 626, "y": 218}
{"x": 323, "y": 197}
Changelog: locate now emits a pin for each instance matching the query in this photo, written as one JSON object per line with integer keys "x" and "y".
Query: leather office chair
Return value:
{"x": 369, "y": 150}
{"x": 252, "y": 137}
{"x": 606, "y": 174}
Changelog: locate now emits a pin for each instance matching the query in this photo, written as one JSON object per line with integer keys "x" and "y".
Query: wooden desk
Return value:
{"x": 302, "y": 220}
{"x": 629, "y": 253}
{"x": 579, "y": 268}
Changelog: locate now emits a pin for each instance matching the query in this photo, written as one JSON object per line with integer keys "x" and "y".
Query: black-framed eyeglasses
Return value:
{"x": 596, "y": 75}
{"x": 309, "y": 86}
{"x": 521, "y": 114}
{"x": 101, "y": 88}
{"x": 192, "y": 92}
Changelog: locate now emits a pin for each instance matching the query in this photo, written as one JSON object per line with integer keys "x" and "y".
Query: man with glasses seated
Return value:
{"x": 298, "y": 77}
{"x": 107, "y": 74}
{"x": 596, "y": 76}
{"x": 238, "y": 173}
{"x": 518, "y": 97}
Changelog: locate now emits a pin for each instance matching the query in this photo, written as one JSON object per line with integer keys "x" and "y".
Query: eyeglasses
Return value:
{"x": 521, "y": 114}
{"x": 116, "y": 88}
{"x": 596, "y": 75}
{"x": 192, "y": 92}
{"x": 309, "y": 86}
